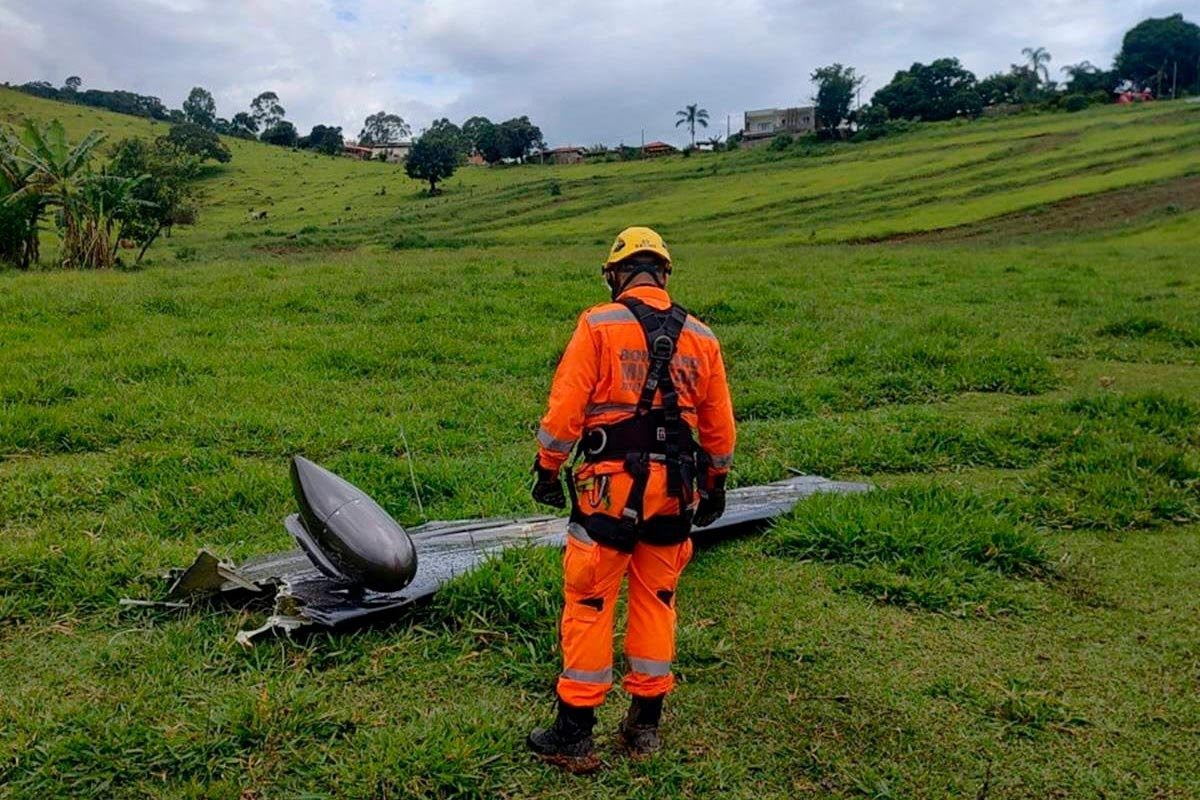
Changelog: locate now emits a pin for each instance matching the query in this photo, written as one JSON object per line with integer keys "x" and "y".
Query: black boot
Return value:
{"x": 568, "y": 742}
{"x": 639, "y": 729}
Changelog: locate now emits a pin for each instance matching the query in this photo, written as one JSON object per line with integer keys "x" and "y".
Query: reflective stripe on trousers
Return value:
{"x": 648, "y": 666}
{"x": 592, "y": 578}
{"x": 602, "y": 676}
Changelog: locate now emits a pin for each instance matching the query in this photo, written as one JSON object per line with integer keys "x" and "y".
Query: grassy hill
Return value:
{"x": 998, "y": 322}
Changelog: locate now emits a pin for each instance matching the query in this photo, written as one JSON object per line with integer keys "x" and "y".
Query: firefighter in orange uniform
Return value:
{"x": 640, "y": 395}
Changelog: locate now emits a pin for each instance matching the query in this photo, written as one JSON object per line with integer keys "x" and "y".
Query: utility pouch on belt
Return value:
{"x": 650, "y": 435}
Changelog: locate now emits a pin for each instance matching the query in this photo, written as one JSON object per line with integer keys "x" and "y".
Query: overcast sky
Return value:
{"x": 586, "y": 72}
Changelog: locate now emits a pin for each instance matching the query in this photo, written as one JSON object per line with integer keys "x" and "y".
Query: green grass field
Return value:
{"x": 996, "y": 322}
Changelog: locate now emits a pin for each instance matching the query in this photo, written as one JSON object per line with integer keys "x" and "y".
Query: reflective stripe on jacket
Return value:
{"x": 601, "y": 373}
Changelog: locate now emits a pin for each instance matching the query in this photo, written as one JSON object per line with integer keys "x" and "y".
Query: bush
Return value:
{"x": 1076, "y": 102}
{"x": 193, "y": 140}
{"x": 555, "y": 188}
{"x": 781, "y": 142}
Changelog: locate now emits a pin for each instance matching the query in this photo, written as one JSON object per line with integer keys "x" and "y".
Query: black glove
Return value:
{"x": 712, "y": 501}
{"x": 547, "y": 488}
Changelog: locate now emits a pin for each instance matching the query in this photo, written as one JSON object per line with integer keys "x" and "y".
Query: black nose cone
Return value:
{"x": 346, "y": 534}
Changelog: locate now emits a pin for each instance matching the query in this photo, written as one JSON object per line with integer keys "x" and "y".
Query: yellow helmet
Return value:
{"x": 637, "y": 240}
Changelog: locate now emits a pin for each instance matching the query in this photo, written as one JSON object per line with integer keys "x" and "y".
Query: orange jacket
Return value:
{"x": 600, "y": 377}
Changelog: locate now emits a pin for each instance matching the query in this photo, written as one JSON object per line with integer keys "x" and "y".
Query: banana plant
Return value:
{"x": 20, "y": 209}
{"x": 60, "y": 173}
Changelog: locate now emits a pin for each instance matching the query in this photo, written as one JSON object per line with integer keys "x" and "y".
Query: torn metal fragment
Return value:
{"x": 305, "y": 595}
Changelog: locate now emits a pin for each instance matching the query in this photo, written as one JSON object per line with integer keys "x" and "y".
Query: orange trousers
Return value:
{"x": 592, "y": 577}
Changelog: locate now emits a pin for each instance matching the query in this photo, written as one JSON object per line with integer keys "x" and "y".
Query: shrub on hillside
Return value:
{"x": 781, "y": 142}
{"x": 191, "y": 139}
{"x": 1076, "y": 102}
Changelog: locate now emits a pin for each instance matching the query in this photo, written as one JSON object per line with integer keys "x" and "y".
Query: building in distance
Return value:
{"x": 765, "y": 124}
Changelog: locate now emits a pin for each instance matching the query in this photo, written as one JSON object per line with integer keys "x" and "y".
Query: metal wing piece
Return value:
{"x": 345, "y": 533}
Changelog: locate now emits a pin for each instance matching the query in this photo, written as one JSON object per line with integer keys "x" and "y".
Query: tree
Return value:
{"x": 324, "y": 139}
{"x": 516, "y": 137}
{"x": 940, "y": 90}
{"x": 1084, "y": 78}
{"x": 431, "y": 159}
{"x": 871, "y": 121}
{"x": 692, "y": 115}
{"x": 267, "y": 111}
{"x": 164, "y": 195}
{"x": 243, "y": 126}
{"x": 472, "y": 131}
{"x": 200, "y": 108}
{"x": 1018, "y": 85}
{"x": 836, "y": 86}
{"x": 72, "y": 84}
{"x": 448, "y": 131}
{"x": 383, "y": 128}
{"x": 282, "y": 133}
{"x": 194, "y": 140}
{"x": 1038, "y": 58}
{"x": 482, "y": 134}
{"x": 1153, "y": 49}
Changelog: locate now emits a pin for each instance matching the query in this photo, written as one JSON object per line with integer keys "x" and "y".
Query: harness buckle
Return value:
{"x": 599, "y": 448}
{"x": 663, "y": 347}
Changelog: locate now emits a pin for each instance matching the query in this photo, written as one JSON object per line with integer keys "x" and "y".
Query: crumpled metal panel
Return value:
{"x": 304, "y": 596}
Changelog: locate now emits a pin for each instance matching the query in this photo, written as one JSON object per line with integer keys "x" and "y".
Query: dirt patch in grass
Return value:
{"x": 1077, "y": 214}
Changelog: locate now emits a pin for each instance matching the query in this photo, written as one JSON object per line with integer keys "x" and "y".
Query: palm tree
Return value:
{"x": 1075, "y": 70}
{"x": 692, "y": 116}
{"x": 1038, "y": 57}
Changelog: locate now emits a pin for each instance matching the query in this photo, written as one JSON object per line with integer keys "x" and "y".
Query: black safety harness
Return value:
{"x": 650, "y": 435}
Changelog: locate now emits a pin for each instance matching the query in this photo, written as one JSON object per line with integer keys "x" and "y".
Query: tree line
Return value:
{"x": 444, "y": 146}
{"x": 265, "y": 120}
{"x": 1158, "y": 54}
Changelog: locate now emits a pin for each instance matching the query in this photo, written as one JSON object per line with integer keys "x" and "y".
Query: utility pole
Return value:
{"x": 643, "y": 138}
{"x": 1175, "y": 79}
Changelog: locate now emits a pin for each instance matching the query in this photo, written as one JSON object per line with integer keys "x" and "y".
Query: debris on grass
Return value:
{"x": 308, "y": 590}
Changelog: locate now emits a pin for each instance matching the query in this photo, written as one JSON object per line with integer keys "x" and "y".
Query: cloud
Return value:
{"x": 586, "y": 73}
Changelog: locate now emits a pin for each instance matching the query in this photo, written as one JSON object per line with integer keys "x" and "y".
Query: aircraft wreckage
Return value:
{"x": 356, "y": 565}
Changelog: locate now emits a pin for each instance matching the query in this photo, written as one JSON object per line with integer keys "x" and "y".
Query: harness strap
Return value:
{"x": 662, "y": 330}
